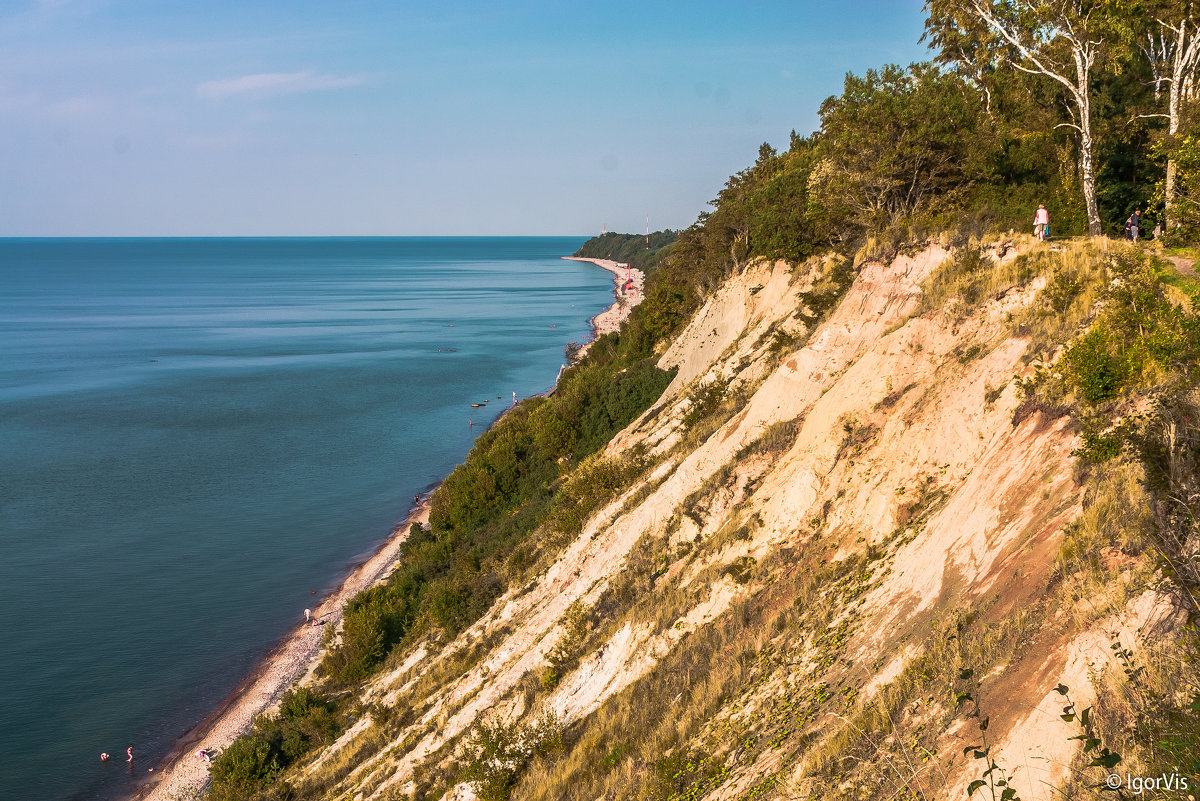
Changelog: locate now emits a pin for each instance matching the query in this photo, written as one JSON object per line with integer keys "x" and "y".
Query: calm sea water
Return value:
{"x": 196, "y": 433}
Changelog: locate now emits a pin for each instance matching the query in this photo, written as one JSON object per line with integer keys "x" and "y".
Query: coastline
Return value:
{"x": 611, "y": 318}
{"x": 182, "y": 774}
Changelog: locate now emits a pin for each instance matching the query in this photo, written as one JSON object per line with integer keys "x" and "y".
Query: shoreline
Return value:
{"x": 182, "y": 774}
{"x": 615, "y": 315}
{"x": 294, "y": 658}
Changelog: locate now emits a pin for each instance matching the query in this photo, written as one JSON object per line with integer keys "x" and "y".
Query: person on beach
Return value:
{"x": 1041, "y": 223}
{"x": 307, "y": 615}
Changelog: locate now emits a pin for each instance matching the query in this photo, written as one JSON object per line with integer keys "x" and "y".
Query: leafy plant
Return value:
{"x": 996, "y": 780}
{"x": 496, "y": 753}
{"x": 1103, "y": 758}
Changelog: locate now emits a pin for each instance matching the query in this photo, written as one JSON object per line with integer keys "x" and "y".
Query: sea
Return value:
{"x": 199, "y": 437}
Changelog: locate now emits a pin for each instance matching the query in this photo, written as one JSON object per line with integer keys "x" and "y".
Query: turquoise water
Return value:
{"x": 194, "y": 434}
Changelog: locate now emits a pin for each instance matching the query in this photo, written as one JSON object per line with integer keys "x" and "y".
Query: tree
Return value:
{"x": 1057, "y": 39}
{"x": 1172, "y": 46}
{"x": 896, "y": 142}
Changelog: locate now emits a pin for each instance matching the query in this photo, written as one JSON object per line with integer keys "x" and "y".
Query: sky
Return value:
{"x": 371, "y": 118}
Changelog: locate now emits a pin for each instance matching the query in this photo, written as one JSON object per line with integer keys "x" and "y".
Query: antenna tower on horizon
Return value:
{"x": 647, "y": 232}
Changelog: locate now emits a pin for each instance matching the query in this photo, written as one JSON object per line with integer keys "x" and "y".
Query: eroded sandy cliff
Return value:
{"x": 842, "y": 556}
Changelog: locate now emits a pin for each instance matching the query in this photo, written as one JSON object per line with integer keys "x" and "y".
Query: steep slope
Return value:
{"x": 843, "y": 555}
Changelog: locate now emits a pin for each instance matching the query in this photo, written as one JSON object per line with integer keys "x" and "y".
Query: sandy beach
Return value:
{"x": 184, "y": 775}
{"x": 623, "y": 299}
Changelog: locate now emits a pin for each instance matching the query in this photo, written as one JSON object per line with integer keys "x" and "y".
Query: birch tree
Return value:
{"x": 1172, "y": 46}
{"x": 1060, "y": 40}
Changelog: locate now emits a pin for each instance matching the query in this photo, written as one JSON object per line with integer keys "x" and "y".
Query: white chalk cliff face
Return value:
{"x": 868, "y": 534}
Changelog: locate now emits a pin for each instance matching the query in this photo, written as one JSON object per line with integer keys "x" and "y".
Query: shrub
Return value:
{"x": 497, "y": 753}
{"x": 576, "y": 622}
{"x": 242, "y": 769}
{"x": 629, "y": 393}
{"x": 1092, "y": 368}
{"x": 594, "y": 483}
{"x": 306, "y": 719}
{"x": 703, "y": 400}
{"x": 1139, "y": 339}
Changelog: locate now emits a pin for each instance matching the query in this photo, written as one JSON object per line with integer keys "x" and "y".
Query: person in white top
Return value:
{"x": 1041, "y": 223}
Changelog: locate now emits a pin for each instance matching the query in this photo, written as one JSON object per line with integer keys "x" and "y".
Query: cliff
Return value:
{"x": 860, "y": 559}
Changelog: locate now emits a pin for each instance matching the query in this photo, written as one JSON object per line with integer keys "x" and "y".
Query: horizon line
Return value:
{"x": 296, "y": 236}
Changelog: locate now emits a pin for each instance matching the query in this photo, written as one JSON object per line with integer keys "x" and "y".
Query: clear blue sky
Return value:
{"x": 292, "y": 117}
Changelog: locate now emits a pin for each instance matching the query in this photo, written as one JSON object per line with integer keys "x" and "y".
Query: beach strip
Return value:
{"x": 183, "y": 773}
{"x": 624, "y": 299}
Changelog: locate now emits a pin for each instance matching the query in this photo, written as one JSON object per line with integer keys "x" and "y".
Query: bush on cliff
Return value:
{"x": 1139, "y": 340}
{"x": 306, "y": 719}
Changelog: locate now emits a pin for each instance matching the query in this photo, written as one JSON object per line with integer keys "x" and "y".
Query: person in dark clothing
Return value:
{"x": 1135, "y": 221}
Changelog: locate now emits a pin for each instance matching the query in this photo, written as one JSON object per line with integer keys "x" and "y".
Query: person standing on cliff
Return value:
{"x": 1135, "y": 222}
{"x": 1041, "y": 223}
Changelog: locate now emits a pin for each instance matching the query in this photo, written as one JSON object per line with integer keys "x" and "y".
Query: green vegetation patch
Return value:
{"x": 639, "y": 250}
{"x": 306, "y": 719}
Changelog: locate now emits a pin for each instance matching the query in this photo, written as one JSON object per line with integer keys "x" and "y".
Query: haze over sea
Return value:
{"x": 196, "y": 433}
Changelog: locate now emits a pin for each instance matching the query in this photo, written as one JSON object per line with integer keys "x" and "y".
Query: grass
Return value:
{"x": 1117, "y": 522}
{"x": 965, "y": 277}
{"x": 1147, "y": 711}
{"x": 1185, "y": 252}
{"x": 1075, "y": 277}
{"x": 672, "y": 734}
{"x": 1188, "y": 284}
{"x": 623, "y": 743}
{"x": 881, "y": 741}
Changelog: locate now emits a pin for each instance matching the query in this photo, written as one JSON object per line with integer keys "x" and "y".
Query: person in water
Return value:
{"x": 129, "y": 753}
{"x": 103, "y": 757}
